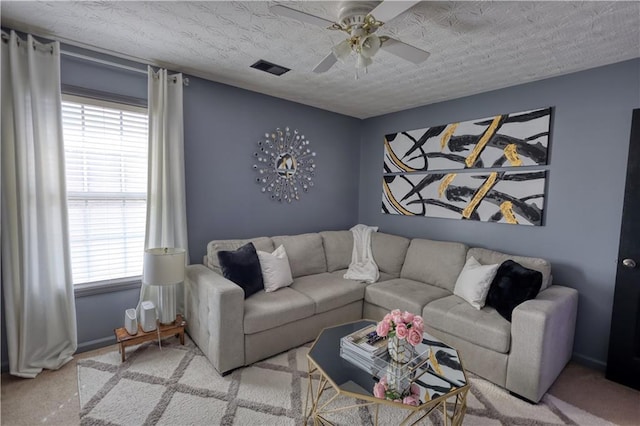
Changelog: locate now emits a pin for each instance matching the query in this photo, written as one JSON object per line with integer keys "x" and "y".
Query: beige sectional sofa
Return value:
{"x": 525, "y": 355}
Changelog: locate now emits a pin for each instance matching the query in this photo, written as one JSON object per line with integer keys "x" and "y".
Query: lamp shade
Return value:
{"x": 163, "y": 266}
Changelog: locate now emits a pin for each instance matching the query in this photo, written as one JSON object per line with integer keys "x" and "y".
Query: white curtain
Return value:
{"x": 36, "y": 263}
{"x": 166, "y": 202}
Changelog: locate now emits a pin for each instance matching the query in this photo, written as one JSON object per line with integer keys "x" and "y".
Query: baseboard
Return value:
{"x": 96, "y": 344}
{"x": 589, "y": 362}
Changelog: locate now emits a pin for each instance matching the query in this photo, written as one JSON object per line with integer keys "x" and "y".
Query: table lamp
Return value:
{"x": 164, "y": 267}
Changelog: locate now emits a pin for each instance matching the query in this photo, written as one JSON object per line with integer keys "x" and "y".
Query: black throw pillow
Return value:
{"x": 512, "y": 285}
{"x": 242, "y": 266}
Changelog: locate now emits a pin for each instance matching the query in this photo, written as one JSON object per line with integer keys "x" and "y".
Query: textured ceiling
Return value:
{"x": 475, "y": 46}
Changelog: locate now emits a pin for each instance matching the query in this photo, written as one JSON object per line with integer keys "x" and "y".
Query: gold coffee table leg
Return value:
{"x": 458, "y": 409}
{"x": 377, "y": 407}
{"x": 310, "y": 394}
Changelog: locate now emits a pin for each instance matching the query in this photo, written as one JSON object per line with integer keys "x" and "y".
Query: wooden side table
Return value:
{"x": 124, "y": 339}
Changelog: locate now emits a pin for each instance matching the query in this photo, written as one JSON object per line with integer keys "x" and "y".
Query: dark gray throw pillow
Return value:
{"x": 512, "y": 285}
{"x": 242, "y": 266}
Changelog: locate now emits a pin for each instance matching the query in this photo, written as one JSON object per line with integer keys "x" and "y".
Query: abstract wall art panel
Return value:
{"x": 492, "y": 196}
{"x": 508, "y": 140}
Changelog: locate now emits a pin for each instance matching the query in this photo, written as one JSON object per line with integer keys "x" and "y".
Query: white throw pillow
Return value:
{"x": 474, "y": 281}
{"x": 276, "y": 272}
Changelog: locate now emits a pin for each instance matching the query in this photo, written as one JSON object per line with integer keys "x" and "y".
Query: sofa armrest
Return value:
{"x": 215, "y": 317}
{"x": 542, "y": 332}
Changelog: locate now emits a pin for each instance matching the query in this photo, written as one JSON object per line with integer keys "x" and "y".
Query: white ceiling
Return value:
{"x": 475, "y": 46}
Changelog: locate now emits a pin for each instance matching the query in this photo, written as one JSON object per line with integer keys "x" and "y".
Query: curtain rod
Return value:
{"x": 185, "y": 81}
{"x": 102, "y": 61}
{"x": 35, "y": 44}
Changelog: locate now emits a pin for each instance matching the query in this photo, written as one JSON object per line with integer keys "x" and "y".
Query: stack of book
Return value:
{"x": 364, "y": 349}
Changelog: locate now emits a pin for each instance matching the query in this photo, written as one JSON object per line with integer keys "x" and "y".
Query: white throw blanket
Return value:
{"x": 362, "y": 267}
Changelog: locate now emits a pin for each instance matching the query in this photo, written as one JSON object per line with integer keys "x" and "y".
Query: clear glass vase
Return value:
{"x": 398, "y": 378}
{"x": 399, "y": 349}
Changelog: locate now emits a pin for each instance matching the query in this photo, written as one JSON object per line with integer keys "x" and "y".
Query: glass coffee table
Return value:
{"x": 436, "y": 369}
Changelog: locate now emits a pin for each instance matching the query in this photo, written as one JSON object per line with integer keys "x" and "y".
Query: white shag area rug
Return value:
{"x": 176, "y": 385}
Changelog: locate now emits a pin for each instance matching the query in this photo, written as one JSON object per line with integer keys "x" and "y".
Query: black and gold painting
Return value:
{"x": 507, "y": 140}
{"x": 515, "y": 197}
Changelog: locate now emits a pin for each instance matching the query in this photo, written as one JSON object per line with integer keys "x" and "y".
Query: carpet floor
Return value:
{"x": 176, "y": 385}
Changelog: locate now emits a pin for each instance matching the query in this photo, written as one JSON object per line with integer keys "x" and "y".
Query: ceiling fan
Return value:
{"x": 360, "y": 20}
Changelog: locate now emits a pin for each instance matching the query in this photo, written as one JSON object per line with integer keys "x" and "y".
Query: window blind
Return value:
{"x": 106, "y": 172}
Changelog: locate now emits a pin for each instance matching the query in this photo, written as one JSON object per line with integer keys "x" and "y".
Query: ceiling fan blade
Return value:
{"x": 389, "y": 9}
{"x": 281, "y": 10}
{"x": 326, "y": 63}
{"x": 405, "y": 51}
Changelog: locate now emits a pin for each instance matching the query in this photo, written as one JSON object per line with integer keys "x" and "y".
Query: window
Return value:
{"x": 106, "y": 170}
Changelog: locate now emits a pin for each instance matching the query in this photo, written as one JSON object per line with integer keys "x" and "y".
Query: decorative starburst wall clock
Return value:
{"x": 285, "y": 164}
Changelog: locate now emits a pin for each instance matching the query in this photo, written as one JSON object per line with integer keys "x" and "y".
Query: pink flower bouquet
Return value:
{"x": 403, "y": 325}
{"x": 381, "y": 390}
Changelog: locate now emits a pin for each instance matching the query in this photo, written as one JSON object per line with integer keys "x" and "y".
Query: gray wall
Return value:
{"x": 222, "y": 126}
{"x": 588, "y": 158}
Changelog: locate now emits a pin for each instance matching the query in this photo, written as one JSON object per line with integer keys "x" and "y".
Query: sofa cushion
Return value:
{"x": 484, "y": 327}
{"x": 386, "y": 277}
{"x": 276, "y": 272}
{"x": 338, "y": 249}
{"x": 473, "y": 282}
{"x": 403, "y": 294}
{"x": 513, "y": 285}
{"x": 305, "y": 252}
{"x": 260, "y": 243}
{"x": 486, "y": 256}
{"x": 383, "y": 275}
{"x": 434, "y": 262}
{"x": 389, "y": 252}
{"x": 264, "y": 311}
{"x": 329, "y": 291}
{"x": 242, "y": 266}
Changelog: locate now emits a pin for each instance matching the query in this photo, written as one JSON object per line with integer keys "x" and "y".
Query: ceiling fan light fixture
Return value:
{"x": 342, "y": 50}
{"x": 360, "y": 20}
{"x": 370, "y": 45}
